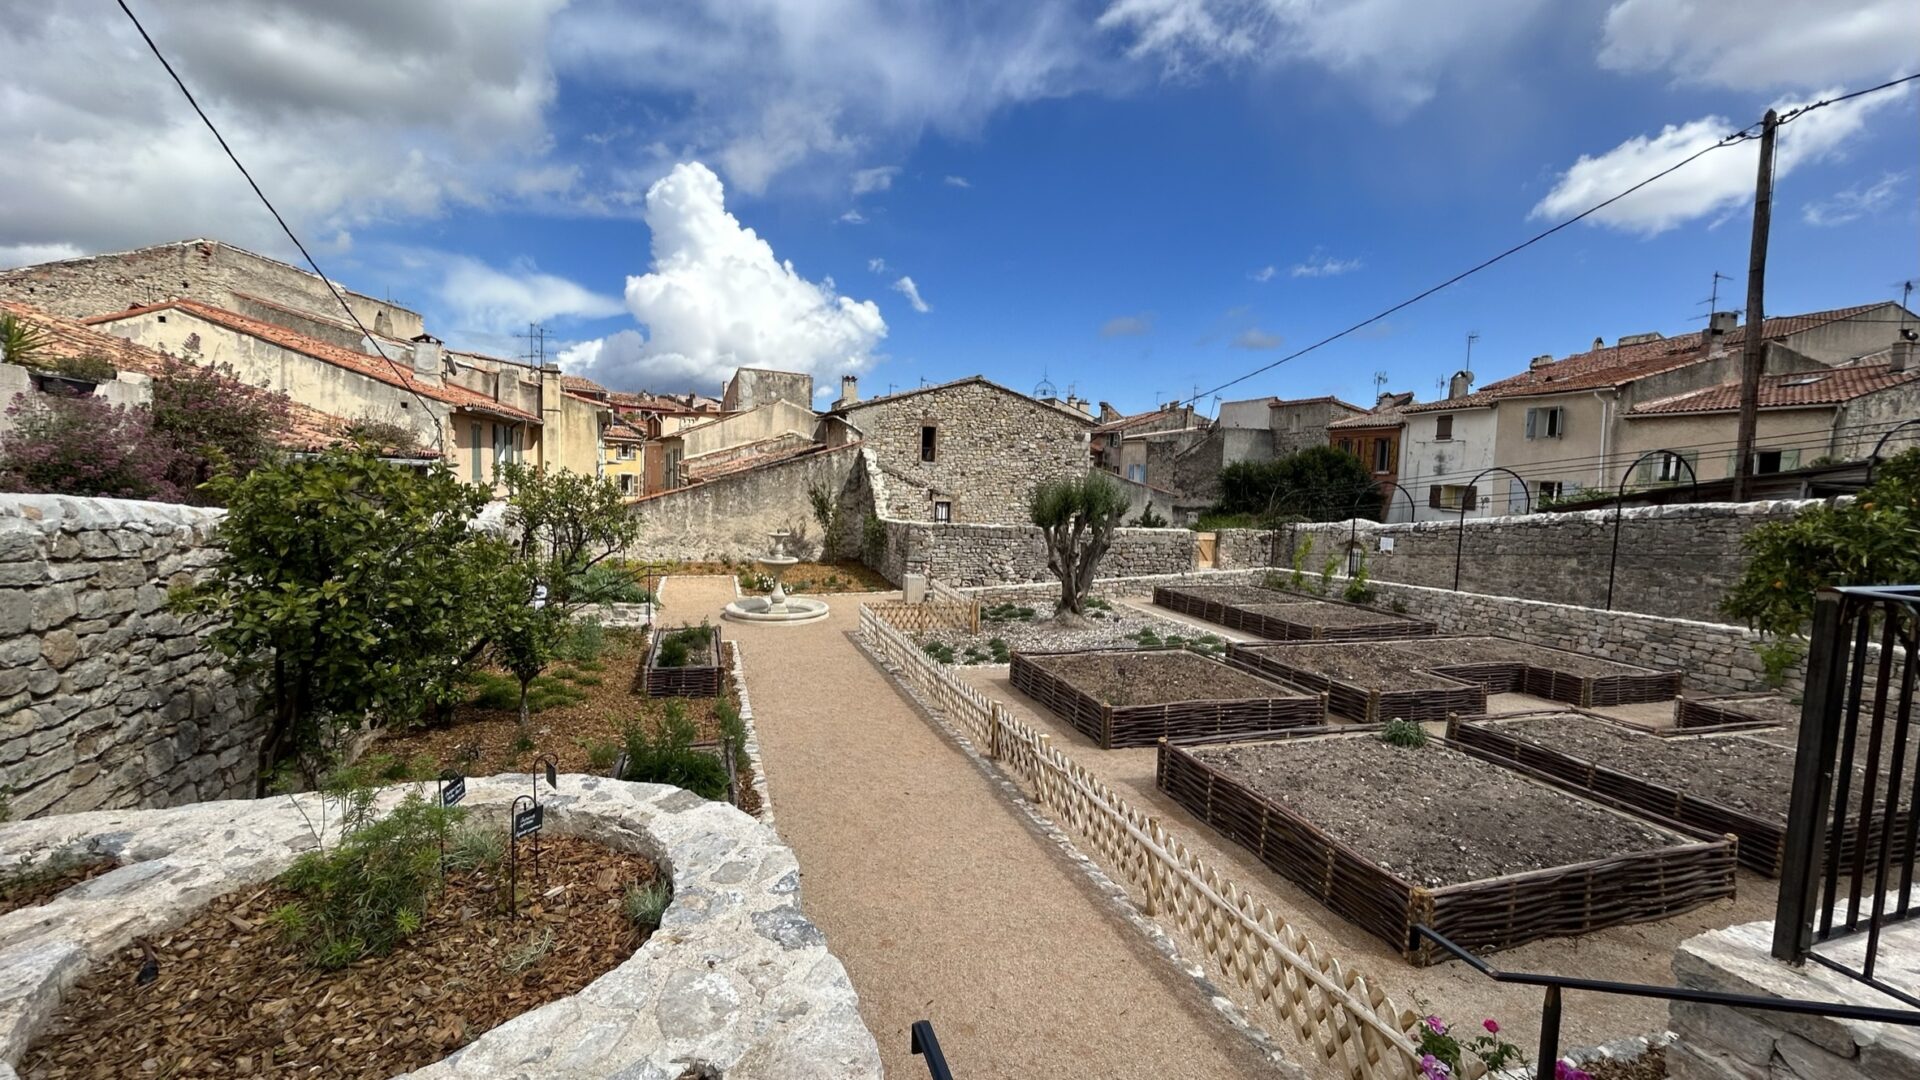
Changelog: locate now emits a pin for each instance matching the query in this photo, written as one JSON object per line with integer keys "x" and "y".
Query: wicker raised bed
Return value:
{"x": 1555, "y": 674}
{"x": 1289, "y": 616}
{"x": 1409, "y": 694}
{"x": 1679, "y": 874}
{"x": 689, "y": 680}
{"x": 1246, "y": 707}
{"x": 1735, "y": 710}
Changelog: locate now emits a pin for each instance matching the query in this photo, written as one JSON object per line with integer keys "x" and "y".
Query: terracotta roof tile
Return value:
{"x": 1791, "y": 390}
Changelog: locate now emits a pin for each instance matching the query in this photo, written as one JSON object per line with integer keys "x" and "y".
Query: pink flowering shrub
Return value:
{"x": 80, "y": 445}
{"x": 1440, "y": 1049}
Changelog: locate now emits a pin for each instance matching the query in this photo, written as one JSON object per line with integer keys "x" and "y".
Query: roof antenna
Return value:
{"x": 1045, "y": 388}
{"x": 1713, "y": 298}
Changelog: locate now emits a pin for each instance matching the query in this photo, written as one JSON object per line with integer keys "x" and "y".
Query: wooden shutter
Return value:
{"x": 1433, "y": 497}
{"x": 1467, "y": 498}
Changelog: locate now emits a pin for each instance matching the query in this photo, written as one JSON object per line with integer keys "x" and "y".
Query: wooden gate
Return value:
{"x": 1203, "y": 550}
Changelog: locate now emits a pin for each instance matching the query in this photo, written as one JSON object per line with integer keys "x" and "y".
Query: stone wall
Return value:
{"x": 731, "y": 516}
{"x": 110, "y": 701}
{"x": 1674, "y": 560}
{"x": 968, "y": 555}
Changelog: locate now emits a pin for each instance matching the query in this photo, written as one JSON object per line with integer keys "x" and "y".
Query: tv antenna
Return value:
{"x": 1472, "y": 336}
{"x": 536, "y": 339}
{"x": 1713, "y": 298}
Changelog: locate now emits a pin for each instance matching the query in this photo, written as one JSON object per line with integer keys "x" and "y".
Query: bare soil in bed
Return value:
{"x": 1157, "y": 678}
{"x": 1448, "y": 652}
{"x": 1369, "y": 665}
{"x": 1243, "y": 594}
{"x": 1322, "y": 613}
{"x": 1432, "y": 815}
{"x": 233, "y": 998}
{"x": 1732, "y": 770}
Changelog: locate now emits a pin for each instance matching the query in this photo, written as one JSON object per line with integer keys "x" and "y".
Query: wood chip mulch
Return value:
{"x": 32, "y": 885}
{"x": 234, "y": 998}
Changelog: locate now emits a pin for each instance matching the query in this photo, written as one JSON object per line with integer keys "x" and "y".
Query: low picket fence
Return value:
{"x": 1271, "y": 970}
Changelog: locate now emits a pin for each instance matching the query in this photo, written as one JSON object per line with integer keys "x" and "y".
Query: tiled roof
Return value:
{"x": 1792, "y": 390}
{"x": 621, "y": 431}
{"x": 1617, "y": 365}
{"x": 399, "y": 373}
{"x": 1135, "y": 420}
{"x": 1388, "y": 415}
{"x": 583, "y": 385}
{"x": 981, "y": 379}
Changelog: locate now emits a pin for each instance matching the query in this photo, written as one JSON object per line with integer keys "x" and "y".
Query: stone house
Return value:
{"x": 1109, "y": 436}
{"x": 1376, "y": 437}
{"x": 692, "y": 453}
{"x": 752, "y": 387}
{"x": 968, "y": 450}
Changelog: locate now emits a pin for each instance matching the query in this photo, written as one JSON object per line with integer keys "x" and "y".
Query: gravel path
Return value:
{"x": 933, "y": 891}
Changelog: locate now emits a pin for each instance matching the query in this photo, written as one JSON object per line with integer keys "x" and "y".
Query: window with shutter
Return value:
{"x": 1443, "y": 427}
{"x": 1433, "y": 497}
{"x": 1467, "y": 497}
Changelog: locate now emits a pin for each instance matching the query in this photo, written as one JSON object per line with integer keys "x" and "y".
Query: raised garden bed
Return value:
{"x": 1506, "y": 666}
{"x": 699, "y": 676}
{"x": 233, "y": 997}
{"x": 1139, "y": 697}
{"x": 1717, "y": 784}
{"x": 1389, "y": 837}
{"x": 1287, "y": 616}
{"x": 1364, "y": 680}
{"x": 1735, "y": 710}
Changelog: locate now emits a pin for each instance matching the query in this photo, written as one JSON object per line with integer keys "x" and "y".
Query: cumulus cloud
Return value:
{"x": 1126, "y": 326}
{"x": 346, "y": 113}
{"x": 487, "y": 300}
{"x": 1263, "y": 275}
{"x": 28, "y": 254}
{"x": 1854, "y": 203}
{"x": 1396, "y": 51}
{"x": 958, "y": 181}
{"x": 1715, "y": 184}
{"x": 875, "y": 179}
{"x": 1255, "y": 338}
{"x": 853, "y": 217}
{"x": 1760, "y": 45}
{"x": 905, "y": 287}
{"x": 717, "y": 298}
{"x": 1322, "y": 265}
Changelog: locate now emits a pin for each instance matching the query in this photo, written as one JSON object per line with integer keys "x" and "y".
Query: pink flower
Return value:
{"x": 1492, "y": 1028}
{"x": 1435, "y": 1025}
{"x": 1433, "y": 1068}
{"x": 1564, "y": 1071}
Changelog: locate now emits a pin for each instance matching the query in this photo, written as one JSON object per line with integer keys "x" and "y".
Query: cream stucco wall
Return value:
{"x": 1427, "y": 460}
{"x": 768, "y": 421}
{"x": 1574, "y": 460}
{"x": 1707, "y": 440}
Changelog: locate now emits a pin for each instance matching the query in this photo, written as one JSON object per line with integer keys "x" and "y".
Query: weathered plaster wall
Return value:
{"x": 731, "y": 516}
{"x": 751, "y": 387}
{"x": 107, "y": 700}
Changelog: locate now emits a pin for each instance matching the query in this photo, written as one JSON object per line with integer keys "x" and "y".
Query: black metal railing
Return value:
{"x": 927, "y": 1045}
{"x": 1855, "y": 816}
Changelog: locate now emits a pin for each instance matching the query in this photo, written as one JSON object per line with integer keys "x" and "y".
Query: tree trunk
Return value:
{"x": 524, "y": 683}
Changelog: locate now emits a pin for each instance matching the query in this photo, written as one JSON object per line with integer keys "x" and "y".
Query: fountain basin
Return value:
{"x": 762, "y": 609}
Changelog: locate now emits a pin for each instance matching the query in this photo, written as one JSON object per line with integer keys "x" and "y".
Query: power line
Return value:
{"x": 1740, "y": 136}
{"x": 439, "y": 438}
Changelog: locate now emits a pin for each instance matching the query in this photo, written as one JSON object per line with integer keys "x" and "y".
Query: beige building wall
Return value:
{"x": 762, "y": 422}
{"x": 1574, "y": 459}
{"x": 1707, "y": 440}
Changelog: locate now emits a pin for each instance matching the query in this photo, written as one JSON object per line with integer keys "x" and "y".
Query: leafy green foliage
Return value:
{"x": 601, "y": 755}
{"x": 1007, "y": 611}
{"x": 21, "y": 342}
{"x": 678, "y": 647}
{"x": 351, "y": 589}
{"x": 1408, "y": 733}
{"x": 733, "y": 729}
{"x": 568, "y": 523}
{"x": 607, "y": 583}
{"x": 666, "y": 755}
{"x": 1320, "y": 483}
{"x": 473, "y": 847}
{"x": 208, "y": 420}
{"x": 828, "y": 514}
{"x": 939, "y": 651}
{"x": 997, "y": 649}
{"x": 873, "y": 539}
{"x": 369, "y": 891}
{"x": 526, "y": 639}
{"x": 1440, "y": 1049}
{"x": 583, "y": 643}
{"x": 1874, "y": 539}
{"x": 1147, "y": 519}
{"x": 1357, "y": 590}
{"x": 86, "y": 367}
{"x": 1078, "y": 515}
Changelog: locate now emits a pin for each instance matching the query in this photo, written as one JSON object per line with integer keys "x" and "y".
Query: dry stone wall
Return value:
{"x": 107, "y": 699}
{"x": 968, "y": 555}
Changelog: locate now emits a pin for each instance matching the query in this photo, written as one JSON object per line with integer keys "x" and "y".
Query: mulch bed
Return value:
{"x": 481, "y": 742}
{"x": 1122, "y": 698}
{"x": 1155, "y": 678}
{"x": 31, "y": 885}
{"x": 1364, "y": 680}
{"x": 233, "y": 998}
{"x": 1375, "y": 665}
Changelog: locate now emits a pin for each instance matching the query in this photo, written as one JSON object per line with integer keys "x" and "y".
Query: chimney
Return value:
{"x": 1599, "y": 343}
{"x": 1901, "y": 357}
{"x": 1459, "y": 385}
{"x": 1721, "y": 323}
{"x": 428, "y": 357}
{"x": 1385, "y": 399}
{"x": 1540, "y": 361}
{"x": 849, "y": 389}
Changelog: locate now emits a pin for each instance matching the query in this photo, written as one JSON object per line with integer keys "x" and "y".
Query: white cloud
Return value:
{"x": 854, "y": 217}
{"x": 905, "y": 287}
{"x": 346, "y": 113}
{"x": 1396, "y": 51}
{"x": 1321, "y": 265}
{"x": 1127, "y": 326}
{"x": 483, "y": 299}
{"x": 958, "y": 181}
{"x": 28, "y": 254}
{"x": 1263, "y": 275}
{"x": 1855, "y": 202}
{"x": 1716, "y": 183}
{"x": 1761, "y": 44}
{"x": 1255, "y": 338}
{"x": 877, "y": 265}
{"x": 717, "y": 298}
{"x": 875, "y": 179}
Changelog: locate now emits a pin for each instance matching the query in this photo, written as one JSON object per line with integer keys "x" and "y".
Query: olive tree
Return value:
{"x": 1078, "y": 515}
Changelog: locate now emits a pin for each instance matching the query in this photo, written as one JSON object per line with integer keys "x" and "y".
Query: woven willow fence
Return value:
{"x": 1278, "y": 975}
{"x": 929, "y": 615}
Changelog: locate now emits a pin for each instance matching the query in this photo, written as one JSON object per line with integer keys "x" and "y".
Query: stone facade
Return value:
{"x": 1712, "y": 1043}
{"x": 737, "y": 982}
{"x": 731, "y": 516}
{"x": 109, "y": 699}
{"x": 988, "y": 447}
{"x": 209, "y": 270}
{"x": 1677, "y": 560}
{"x": 968, "y": 555}
{"x": 752, "y": 387}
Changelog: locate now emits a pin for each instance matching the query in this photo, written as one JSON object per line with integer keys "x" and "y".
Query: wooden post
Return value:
{"x": 1753, "y": 356}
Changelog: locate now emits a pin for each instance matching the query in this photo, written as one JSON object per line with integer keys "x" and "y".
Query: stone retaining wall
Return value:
{"x": 967, "y": 555}
{"x": 737, "y": 982}
{"x": 107, "y": 699}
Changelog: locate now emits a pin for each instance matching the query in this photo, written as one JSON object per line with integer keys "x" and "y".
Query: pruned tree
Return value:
{"x": 1078, "y": 515}
{"x": 568, "y": 523}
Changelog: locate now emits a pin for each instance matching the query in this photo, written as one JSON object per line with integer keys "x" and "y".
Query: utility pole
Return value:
{"x": 1754, "y": 356}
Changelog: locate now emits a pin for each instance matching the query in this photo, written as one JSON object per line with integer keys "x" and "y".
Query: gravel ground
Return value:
{"x": 1156, "y": 678}
{"x": 1431, "y": 815}
{"x": 1732, "y": 770}
{"x": 1116, "y": 628}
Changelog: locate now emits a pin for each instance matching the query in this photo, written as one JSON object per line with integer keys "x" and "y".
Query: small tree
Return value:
{"x": 1078, "y": 515}
{"x": 527, "y": 638}
{"x": 20, "y": 341}
{"x": 568, "y": 523}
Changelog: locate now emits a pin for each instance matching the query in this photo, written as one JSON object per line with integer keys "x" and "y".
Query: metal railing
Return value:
{"x": 1855, "y": 815}
{"x": 927, "y": 1045}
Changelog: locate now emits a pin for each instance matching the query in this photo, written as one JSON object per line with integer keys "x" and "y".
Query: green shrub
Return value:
{"x": 645, "y": 905}
{"x": 584, "y": 641}
{"x": 1357, "y": 590}
{"x": 475, "y": 847}
{"x": 601, "y": 754}
{"x": 369, "y": 891}
{"x": 939, "y": 651}
{"x": 667, "y": 756}
{"x": 1407, "y": 733}
{"x": 605, "y": 583}
{"x": 997, "y": 648}
{"x": 677, "y": 646}
{"x": 733, "y": 729}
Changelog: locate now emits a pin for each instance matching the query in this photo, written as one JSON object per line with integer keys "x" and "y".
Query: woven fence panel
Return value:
{"x": 1282, "y": 979}
{"x": 931, "y": 615}
{"x": 685, "y": 681}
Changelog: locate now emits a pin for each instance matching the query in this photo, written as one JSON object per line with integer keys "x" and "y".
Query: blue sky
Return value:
{"x": 1135, "y": 198}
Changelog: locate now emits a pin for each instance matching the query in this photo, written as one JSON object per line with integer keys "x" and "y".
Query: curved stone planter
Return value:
{"x": 736, "y": 981}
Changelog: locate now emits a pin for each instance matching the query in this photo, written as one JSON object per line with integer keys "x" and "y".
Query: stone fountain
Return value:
{"x": 776, "y": 606}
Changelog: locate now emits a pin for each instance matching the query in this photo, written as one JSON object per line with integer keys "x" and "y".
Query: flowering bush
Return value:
{"x": 206, "y": 419}
{"x": 1440, "y": 1049}
{"x": 80, "y": 445}
{"x": 1564, "y": 1071}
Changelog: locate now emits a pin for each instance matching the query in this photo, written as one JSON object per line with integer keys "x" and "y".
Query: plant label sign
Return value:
{"x": 528, "y": 821}
{"x": 452, "y": 790}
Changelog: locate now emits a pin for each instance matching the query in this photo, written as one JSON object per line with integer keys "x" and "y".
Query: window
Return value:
{"x": 1548, "y": 423}
{"x": 1382, "y": 455}
{"x": 474, "y": 435}
{"x": 1137, "y": 473}
{"x": 943, "y": 511}
{"x": 1346, "y": 446}
{"x": 626, "y": 451}
{"x": 1772, "y": 461}
{"x": 671, "y": 469}
{"x": 929, "y": 442}
{"x": 627, "y": 485}
{"x": 1443, "y": 428}
{"x": 1548, "y": 490}
{"x": 1450, "y": 497}
{"x": 1666, "y": 469}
